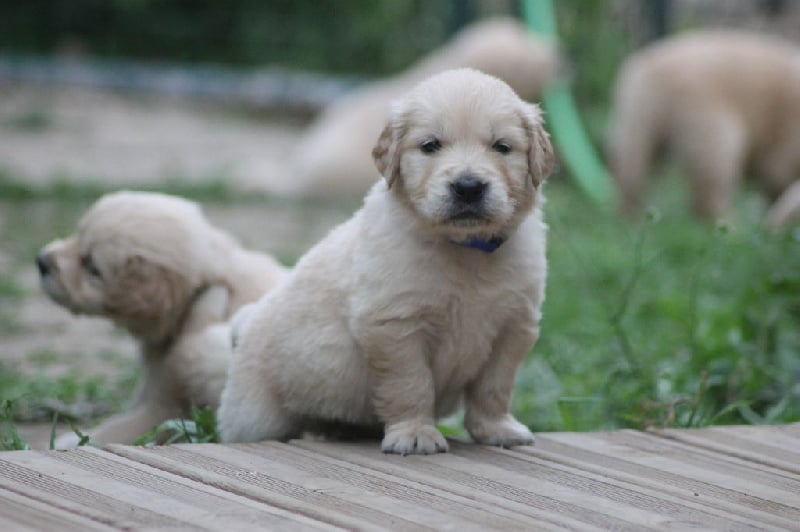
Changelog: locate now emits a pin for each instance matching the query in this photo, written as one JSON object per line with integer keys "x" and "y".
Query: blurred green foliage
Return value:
{"x": 360, "y": 36}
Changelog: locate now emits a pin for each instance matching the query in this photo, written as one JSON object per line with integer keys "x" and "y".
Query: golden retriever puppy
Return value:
{"x": 725, "y": 103}
{"x": 153, "y": 264}
{"x": 332, "y": 158}
{"x": 429, "y": 295}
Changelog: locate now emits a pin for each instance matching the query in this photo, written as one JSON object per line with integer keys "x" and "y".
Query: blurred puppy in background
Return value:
{"x": 332, "y": 158}
{"x": 428, "y": 296}
{"x": 154, "y": 265}
{"x": 725, "y": 103}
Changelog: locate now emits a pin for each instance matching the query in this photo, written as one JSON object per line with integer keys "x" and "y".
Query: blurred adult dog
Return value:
{"x": 428, "y": 295}
{"x": 332, "y": 158}
{"x": 153, "y": 264}
{"x": 726, "y": 103}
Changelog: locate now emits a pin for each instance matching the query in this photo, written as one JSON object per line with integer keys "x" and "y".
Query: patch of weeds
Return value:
{"x": 9, "y": 320}
{"x": 200, "y": 427}
{"x": 73, "y": 396}
{"x": 667, "y": 322}
{"x": 43, "y": 357}
{"x": 87, "y": 190}
{"x": 10, "y": 293}
{"x": 10, "y": 288}
{"x": 212, "y": 189}
{"x": 30, "y": 121}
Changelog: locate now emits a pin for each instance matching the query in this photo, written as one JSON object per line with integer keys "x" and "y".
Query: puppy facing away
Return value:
{"x": 725, "y": 103}
{"x": 154, "y": 265}
{"x": 428, "y": 296}
{"x": 332, "y": 158}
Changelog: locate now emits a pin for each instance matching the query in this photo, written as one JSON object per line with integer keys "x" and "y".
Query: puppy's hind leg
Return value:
{"x": 249, "y": 411}
{"x": 714, "y": 150}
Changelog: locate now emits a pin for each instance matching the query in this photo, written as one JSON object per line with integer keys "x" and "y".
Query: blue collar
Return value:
{"x": 487, "y": 246}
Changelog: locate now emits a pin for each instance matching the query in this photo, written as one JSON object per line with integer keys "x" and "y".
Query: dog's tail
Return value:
{"x": 634, "y": 132}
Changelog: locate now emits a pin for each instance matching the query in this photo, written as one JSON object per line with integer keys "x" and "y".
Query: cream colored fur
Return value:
{"x": 388, "y": 321}
{"x": 153, "y": 264}
{"x": 332, "y": 158}
{"x": 726, "y": 104}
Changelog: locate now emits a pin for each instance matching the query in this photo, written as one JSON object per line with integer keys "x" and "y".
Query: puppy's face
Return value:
{"x": 466, "y": 153}
{"x": 130, "y": 260}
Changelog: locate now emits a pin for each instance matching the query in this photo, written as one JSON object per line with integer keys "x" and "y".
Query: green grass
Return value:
{"x": 666, "y": 322}
{"x": 34, "y": 120}
{"x": 70, "y": 190}
{"x": 35, "y": 396}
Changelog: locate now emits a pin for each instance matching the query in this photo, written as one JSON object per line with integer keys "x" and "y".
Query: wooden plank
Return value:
{"x": 679, "y": 508}
{"x": 472, "y": 509}
{"x": 549, "y": 491}
{"x": 365, "y": 457}
{"x": 123, "y": 494}
{"x": 766, "y": 445}
{"x": 20, "y": 513}
{"x": 321, "y": 489}
{"x": 645, "y": 460}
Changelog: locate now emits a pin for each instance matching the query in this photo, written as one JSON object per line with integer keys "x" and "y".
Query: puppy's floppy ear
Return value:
{"x": 148, "y": 299}
{"x": 386, "y": 152}
{"x": 540, "y": 150}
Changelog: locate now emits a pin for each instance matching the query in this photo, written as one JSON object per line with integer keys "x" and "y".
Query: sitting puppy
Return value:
{"x": 430, "y": 294}
{"x": 332, "y": 158}
{"x": 154, "y": 265}
{"x": 727, "y": 104}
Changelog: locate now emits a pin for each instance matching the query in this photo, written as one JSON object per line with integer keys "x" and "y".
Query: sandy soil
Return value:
{"x": 76, "y": 134}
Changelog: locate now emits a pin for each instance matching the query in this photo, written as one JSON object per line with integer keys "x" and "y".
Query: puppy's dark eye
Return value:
{"x": 430, "y": 146}
{"x": 501, "y": 146}
{"x": 91, "y": 268}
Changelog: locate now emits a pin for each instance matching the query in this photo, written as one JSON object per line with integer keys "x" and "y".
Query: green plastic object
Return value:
{"x": 565, "y": 124}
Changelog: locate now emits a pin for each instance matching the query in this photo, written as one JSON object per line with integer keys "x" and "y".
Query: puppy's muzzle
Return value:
{"x": 468, "y": 190}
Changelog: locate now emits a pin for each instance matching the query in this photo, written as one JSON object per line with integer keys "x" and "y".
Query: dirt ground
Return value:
{"x": 78, "y": 134}
{"x": 125, "y": 141}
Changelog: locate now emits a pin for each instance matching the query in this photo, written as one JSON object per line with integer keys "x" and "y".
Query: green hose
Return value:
{"x": 564, "y": 123}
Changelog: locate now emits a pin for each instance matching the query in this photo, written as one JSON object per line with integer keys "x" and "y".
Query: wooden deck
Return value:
{"x": 724, "y": 478}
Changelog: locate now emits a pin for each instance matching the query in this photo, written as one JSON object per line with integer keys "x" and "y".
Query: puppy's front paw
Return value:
{"x": 504, "y": 431}
{"x": 413, "y": 437}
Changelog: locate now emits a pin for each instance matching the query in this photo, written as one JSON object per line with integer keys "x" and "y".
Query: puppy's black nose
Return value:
{"x": 42, "y": 264}
{"x": 468, "y": 189}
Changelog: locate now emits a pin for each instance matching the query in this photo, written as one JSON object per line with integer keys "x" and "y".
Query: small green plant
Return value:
{"x": 200, "y": 427}
{"x": 10, "y": 440}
